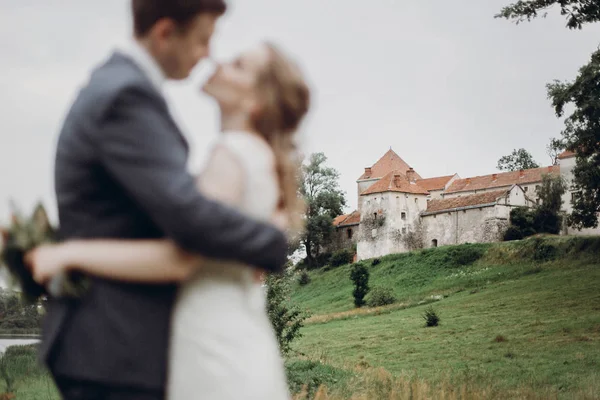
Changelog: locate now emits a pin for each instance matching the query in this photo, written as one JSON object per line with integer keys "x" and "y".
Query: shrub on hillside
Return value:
{"x": 287, "y": 318}
{"x": 304, "y": 278}
{"x": 381, "y": 296}
{"x": 431, "y": 318}
{"x": 544, "y": 251}
{"x": 463, "y": 255}
{"x": 376, "y": 261}
{"x": 360, "y": 276}
{"x": 341, "y": 257}
{"x": 513, "y": 233}
{"x": 310, "y": 375}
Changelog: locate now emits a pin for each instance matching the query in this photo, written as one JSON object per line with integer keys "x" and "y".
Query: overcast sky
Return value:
{"x": 447, "y": 86}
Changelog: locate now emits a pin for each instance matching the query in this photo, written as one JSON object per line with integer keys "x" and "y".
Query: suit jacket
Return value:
{"x": 121, "y": 172}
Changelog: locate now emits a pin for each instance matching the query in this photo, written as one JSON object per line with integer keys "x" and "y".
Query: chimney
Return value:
{"x": 494, "y": 177}
{"x": 397, "y": 178}
{"x": 410, "y": 174}
{"x": 521, "y": 173}
{"x": 468, "y": 181}
{"x": 368, "y": 172}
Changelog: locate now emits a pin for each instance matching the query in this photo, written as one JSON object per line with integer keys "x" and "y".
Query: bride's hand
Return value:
{"x": 47, "y": 261}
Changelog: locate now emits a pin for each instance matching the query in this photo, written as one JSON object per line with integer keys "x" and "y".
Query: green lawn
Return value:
{"x": 518, "y": 317}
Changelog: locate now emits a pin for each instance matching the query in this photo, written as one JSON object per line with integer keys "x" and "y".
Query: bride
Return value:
{"x": 222, "y": 343}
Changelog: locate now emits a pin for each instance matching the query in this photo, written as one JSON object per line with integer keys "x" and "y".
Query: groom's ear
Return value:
{"x": 163, "y": 30}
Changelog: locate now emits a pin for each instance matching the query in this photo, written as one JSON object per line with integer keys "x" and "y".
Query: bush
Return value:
{"x": 463, "y": 255}
{"x": 544, "y": 251}
{"x": 341, "y": 257}
{"x": 513, "y": 233}
{"x": 310, "y": 375}
{"x": 304, "y": 278}
{"x": 360, "y": 276}
{"x": 431, "y": 318}
{"x": 381, "y": 296}
{"x": 376, "y": 261}
{"x": 286, "y": 317}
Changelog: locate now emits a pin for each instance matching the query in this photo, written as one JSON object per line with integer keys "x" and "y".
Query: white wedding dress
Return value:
{"x": 222, "y": 344}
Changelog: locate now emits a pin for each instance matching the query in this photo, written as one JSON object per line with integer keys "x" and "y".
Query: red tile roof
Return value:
{"x": 386, "y": 164}
{"x": 464, "y": 201}
{"x": 389, "y": 183}
{"x": 566, "y": 154}
{"x": 339, "y": 219}
{"x": 348, "y": 219}
{"x": 501, "y": 179}
{"x": 438, "y": 183}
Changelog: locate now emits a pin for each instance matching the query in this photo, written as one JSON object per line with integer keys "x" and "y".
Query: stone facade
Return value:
{"x": 399, "y": 211}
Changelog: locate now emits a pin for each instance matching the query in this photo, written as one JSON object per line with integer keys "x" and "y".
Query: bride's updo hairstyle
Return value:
{"x": 284, "y": 98}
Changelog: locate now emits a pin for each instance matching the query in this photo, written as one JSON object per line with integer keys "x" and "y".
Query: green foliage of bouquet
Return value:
{"x": 23, "y": 235}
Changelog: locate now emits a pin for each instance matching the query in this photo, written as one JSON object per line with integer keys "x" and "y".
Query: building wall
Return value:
{"x": 362, "y": 186}
{"x": 566, "y": 170}
{"x": 478, "y": 225}
{"x": 385, "y": 219}
{"x": 342, "y": 240}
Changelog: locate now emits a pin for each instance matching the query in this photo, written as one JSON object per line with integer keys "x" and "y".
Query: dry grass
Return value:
{"x": 381, "y": 385}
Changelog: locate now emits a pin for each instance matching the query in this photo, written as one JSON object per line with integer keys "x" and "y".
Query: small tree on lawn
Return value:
{"x": 360, "y": 276}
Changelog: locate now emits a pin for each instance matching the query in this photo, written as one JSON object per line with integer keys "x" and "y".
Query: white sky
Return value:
{"x": 449, "y": 87}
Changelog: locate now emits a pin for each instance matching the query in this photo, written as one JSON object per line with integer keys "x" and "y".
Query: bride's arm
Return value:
{"x": 142, "y": 260}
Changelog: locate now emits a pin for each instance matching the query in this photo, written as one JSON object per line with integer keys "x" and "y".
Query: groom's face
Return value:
{"x": 179, "y": 49}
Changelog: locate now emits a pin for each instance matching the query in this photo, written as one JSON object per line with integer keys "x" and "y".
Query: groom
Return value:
{"x": 121, "y": 173}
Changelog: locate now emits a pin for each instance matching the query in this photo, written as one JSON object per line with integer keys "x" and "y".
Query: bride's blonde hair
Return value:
{"x": 285, "y": 99}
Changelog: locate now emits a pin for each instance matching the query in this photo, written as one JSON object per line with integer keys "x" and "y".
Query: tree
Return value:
{"x": 582, "y": 126}
{"x": 518, "y": 159}
{"x": 324, "y": 201}
{"x": 554, "y": 149}
{"x": 545, "y": 218}
{"x": 578, "y": 12}
{"x": 360, "y": 276}
{"x": 286, "y": 318}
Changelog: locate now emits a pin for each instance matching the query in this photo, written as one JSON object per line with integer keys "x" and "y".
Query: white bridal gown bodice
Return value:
{"x": 222, "y": 343}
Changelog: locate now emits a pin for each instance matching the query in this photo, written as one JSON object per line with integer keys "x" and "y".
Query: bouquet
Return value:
{"x": 24, "y": 235}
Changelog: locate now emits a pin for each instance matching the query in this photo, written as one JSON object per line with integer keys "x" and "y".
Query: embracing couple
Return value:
{"x": 176, "y": 307}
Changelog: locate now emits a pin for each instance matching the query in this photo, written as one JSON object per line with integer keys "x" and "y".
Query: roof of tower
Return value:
{"x": 395, "y": 181}
{"x": 386, "y": 164}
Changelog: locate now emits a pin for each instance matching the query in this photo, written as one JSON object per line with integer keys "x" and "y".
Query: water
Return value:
{"x": 5, "y": 343}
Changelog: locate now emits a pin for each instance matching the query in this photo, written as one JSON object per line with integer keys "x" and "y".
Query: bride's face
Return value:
{"x": 233, "y": 85}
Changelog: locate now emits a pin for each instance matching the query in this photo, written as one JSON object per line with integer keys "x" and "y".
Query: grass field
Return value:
{"x": 518, "y": 320}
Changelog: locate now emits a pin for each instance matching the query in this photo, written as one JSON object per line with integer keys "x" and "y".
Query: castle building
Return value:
{"x": 398, "y": 210}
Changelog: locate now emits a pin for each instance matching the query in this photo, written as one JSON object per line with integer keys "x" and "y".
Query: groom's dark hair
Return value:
{"x": 146, "y": 13}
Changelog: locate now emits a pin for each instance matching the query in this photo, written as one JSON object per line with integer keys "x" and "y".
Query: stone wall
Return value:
{"x": 386, "y": 219}
{"x": 477, "y": 225}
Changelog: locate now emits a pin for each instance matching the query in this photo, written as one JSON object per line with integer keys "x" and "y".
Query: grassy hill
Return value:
{"x": 518, "y": 320}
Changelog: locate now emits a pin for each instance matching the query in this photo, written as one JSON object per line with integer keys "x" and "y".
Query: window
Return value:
{"x": 537, "y": 201}
{"x": 416, "y": 201}
{"x": 574, "y": 196}
{"x": 537, "y": 188}
{"x": 349, "y": 233}
{"x": 403, "y": 216}
{"x": 525, "y": 189}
